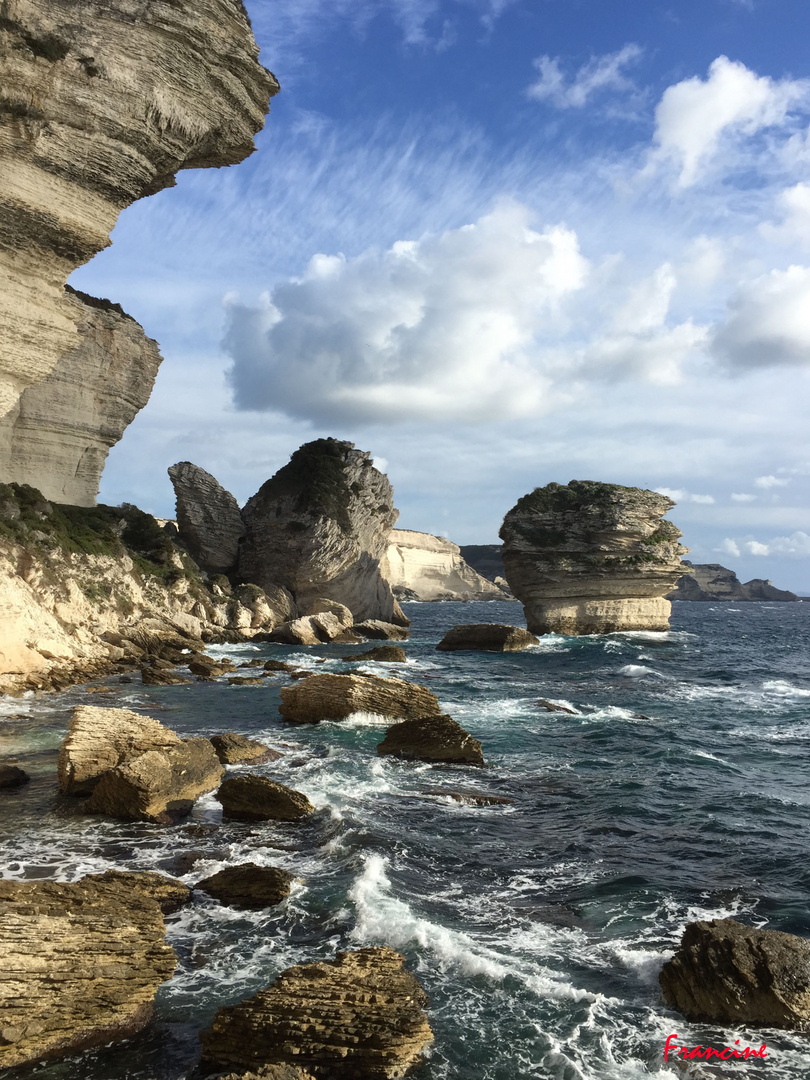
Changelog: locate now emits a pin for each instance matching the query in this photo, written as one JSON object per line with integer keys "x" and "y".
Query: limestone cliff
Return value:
{"x": 710, "y": 581}
{"x": 208, "y": 518}
{"x": 420, "y": 566}
{"x": 57, "y": 436}
{"x": 100, "y": 105}
{"x": 592, "y": 558}
{"x": 320, "y": 529}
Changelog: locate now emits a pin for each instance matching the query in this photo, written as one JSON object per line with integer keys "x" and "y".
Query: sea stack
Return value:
{"x": 592, "y": 558}
{"x": 320, "y": 529}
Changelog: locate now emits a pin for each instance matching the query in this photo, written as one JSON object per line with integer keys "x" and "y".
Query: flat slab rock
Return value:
{"x": 438, "y": 739}
{"x": 248, "y": 886}
{"x": 271, "y": 1072}
{"x": 234, "y": 749}
{"x": 727, "y": 973}
{"x": 257, "y": 798}
{"x": 358, "y": 1016}
{"x": 382, "y": 631}
{"x": 168, "y": 893}
{"x": 334, "y": 697}
{"x": 487, "y": 637}
{"x": 81, "y": 964}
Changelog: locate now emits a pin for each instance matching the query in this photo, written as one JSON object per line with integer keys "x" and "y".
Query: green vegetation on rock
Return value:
{"x": 316, "y": 479}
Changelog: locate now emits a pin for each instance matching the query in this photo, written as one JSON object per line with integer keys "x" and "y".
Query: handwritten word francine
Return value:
{"x": 709, "y": 1051}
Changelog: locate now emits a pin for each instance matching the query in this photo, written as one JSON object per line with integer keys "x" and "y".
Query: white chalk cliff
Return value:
{"x": 420, "y": 566}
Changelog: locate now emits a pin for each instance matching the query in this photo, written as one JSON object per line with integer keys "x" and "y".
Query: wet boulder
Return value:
{"x": 357, "y": 1017}
{"x": 257, "y": 798}
{"x": 487, "y": 637}
{"x": 437, "y": 739}
{"x": 382, "y": 631}
{"x": 248, "y": 886}
{"x": 727, "y": 973}
{"x": 380, "y": 654}
{"x": 159, "y": 676}
{"x": 12, "y": 776}
{"x": 234, "y": 749}
{"x": 334, "y": 697}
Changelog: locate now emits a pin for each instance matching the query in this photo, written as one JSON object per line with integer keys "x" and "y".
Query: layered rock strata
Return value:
{"x": 81, "y": 964}
{"x": 334, "y": 697}
{"x": 439, "y": 739}
{"x": 257, "y": 798}
{"x": 209, "y": 521}
{"x": 420, "y": 566}
{"x": 711, "y": 581}
{"x": 356, "y": 1017}
{"x": 320, "y": 528}
{"x": 234, "y": 749}
{"x": 100, "y": 106}
{"x": 248, "y": 886}
{"x": 168, "y": 893}
{"x": 58, "y": 434}
{"x": 487, "y": 637}
{"x": 592, "y": 558}
{"x": 727, "y": 973}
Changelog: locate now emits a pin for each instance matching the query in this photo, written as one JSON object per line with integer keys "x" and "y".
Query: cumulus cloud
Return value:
{"x": 696, "y": 116}
{"x": 598, "y": 74}
{"x": 742, "y": 497}
{"x": 767, "y": 482}
{"x": 753, "y": 547}
{"x": 681, "y": 495}
{"x": 794, "y": 203}
{"x": 444, "y": 328}
{"x": 795, "y": 546}
{"x": 767, "y": 321}
{"x": 729, "y": 547}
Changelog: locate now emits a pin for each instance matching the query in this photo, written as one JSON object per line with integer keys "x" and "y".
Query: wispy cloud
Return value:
{"x": 599, "y": 75}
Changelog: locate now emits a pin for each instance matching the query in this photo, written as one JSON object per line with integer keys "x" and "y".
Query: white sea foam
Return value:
{"x": 638, "y": 671}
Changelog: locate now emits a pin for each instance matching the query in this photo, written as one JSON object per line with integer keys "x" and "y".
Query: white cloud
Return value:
{"x": 795, "y": 546}
{"x": 438, "y": 329}
{"x": 598, "y": 74}
{"x": 795, "y": 205}
{"x": 741, "y": 497}
{"x": 753, "y": 547}
{"x": 767, "y": 482}
{"x": 681, "y": 495}
{"x": 729, "y": 547}
{"x": 768, "y": 321}
{"x": 695, "y": 117}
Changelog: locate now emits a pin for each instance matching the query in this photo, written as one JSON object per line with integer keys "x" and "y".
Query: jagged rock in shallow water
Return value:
{"x": 167, "y": 892}
{"x": 378, "y": 630}
{"x": 381, "y": 654}
{"x": 234, "y": 749}
{"x": 257, "y": 798}
{"x": 487, "y": 637}
{"x": 248, "y": 886}
{"x": 320, "y": 528}
{"x": 57, "y": 436}
{"x": 420, "y": 566}
{"x": 208, "y": 518}
{"x": 592, "y": 558}
{"x": 711, "y": 581}
{"x": 356, "y": 1017}
{"x": 727, "y": 973}
{"x": 432, "y": 738}
{"x": 81, "y": 964}
{"x": 334, "y": 697}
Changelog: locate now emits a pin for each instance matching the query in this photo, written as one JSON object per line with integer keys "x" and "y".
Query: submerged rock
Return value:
{"x": 356, "y": 1017}
{"x": 592, "y": 558}
{"x": 487, "y": 637}
{"x": 256, "y": 798}
{"x": 381, "y": 654}
{"x": 432, "y": 738}
{"x": 234, "y": 749}
{"x": 81, "y": 964}
{"x": 208, "y": 518}
{"x": 168, "y": 893}
{"x": 248, "y": 886}
{"x": 334, "y": 697}
{"x": 727, "y": 973}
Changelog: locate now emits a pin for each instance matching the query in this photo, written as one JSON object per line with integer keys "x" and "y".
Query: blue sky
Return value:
{"x": 499, "y": 243}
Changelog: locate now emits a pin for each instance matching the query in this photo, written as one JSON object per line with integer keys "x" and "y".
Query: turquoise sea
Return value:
{"x": 676, "y": 787}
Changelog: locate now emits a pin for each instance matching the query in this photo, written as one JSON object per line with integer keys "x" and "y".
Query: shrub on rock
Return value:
{"x": 432, "y": 738}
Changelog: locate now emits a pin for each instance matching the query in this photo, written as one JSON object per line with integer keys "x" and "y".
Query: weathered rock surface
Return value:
{"x": 152, "y": 675}
{"x": 81, "y": 964}
{"x": 208, "y": 518}
{"x": 334, "y": 697}
{"x": 320, "y": 528}
{"x": 421, "y": 566}
{"x": 432, "y": 738}
{"x": 257, "y": 798}
{"x": 159, "y": 785}
{"x": 100, "y": 739}
{"x": 711, "y": 581}
{"x": 12, "y": 776}
{"x": 728, "y": 973}
{"x": 485, "y": 559}
{"x": 234, "y": 749}
{"x": 100, "y": 107}
{"x": 56, "y": 437}
{"x": 358, "y": 1016}
{"x": 487, "y": 637}
{"x": 381, "y": 654}
{"x": 378, "y": 630}
{"x": 592, "y": 558}
{"x": 270, "y": 1072}
{"x": 317, "y": 629}
{"x": 248, "y": 886}
{"x": 168, "y": 893}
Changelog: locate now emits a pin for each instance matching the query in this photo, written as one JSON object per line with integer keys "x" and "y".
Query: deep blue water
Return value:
{"x": 677, "y": 789}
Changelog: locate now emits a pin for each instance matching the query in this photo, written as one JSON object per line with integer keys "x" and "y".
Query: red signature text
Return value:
{"x": 727, "y": 1052}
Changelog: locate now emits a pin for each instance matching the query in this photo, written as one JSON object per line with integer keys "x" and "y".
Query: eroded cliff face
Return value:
{"x": 208, "y": 518}
{"x": 57, "y": 436}
{"x": 711, "y": 581}
{"x": 320, "y": 529}
{"x": 101, "y": 103}
{"x": 592, "y": 558}
{"x": 421, "y": 566}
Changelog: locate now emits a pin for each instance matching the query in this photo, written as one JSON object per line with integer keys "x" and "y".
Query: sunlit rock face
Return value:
{"x": 320, "y": 528}
{"x": 100, "y": 105}
{"x": 427, "y": 567}
{"x": 592, "y": 558}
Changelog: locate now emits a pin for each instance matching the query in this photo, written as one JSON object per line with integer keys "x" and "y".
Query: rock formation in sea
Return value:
{"x": 168, "y": 893}
{"x": 592, "y": 558}
{"x": 727, "y": 973}
{"x": 439, "y": 739}
{"x": 711, "y": 581}
{"x": 358, "y": 1017}
{"x": 420, "y": 566}
{"x": 208, "y": 518}
{"x": 248, "y": 886}
{"x": 320, "y": 528}
{"x": 334, "y": 697}
{"x": 258, "y": 798}
{"x": 99, "y": 106}
{"x": 81, "y": 964}
{"x": 486, "y": 637}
